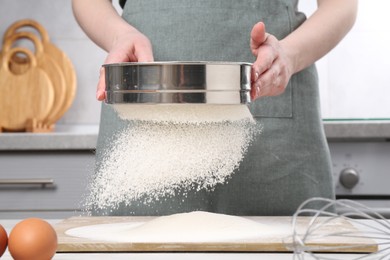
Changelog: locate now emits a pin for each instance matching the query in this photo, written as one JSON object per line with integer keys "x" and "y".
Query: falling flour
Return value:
{"x": 192, "y": 227}
{"x": 184, "y": 114}
{"x": 170, "y": 147}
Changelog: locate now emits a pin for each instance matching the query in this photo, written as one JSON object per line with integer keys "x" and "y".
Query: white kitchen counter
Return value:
{"x": 64, "y": 137}
{"x": 8, "y": 224}
{"x": 84, "y": 137}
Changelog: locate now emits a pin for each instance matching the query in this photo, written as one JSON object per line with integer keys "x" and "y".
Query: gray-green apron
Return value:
{"x": 289, "y": 161}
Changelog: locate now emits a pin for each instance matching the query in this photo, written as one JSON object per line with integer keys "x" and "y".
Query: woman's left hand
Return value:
{"x": 272, "y": 69}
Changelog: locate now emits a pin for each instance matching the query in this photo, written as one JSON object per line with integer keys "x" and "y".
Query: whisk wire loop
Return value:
{"x": 322, "y": 215}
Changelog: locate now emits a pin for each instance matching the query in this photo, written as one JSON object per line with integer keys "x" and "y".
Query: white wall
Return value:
{"x": 354, "y": 79}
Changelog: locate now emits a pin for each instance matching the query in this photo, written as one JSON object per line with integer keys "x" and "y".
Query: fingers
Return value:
{"x": 144, "y": 54}
{"x": 266, "y": 56}
{"x": 258, "y": 37}
{"x": 255, "y": 91}
{"x": 101, "y": 86}
{"x": 100, "y": 93}
{"x": 272, "y": 82}
{"x": 269, "y": 83}
{"x": 268, "y": 71}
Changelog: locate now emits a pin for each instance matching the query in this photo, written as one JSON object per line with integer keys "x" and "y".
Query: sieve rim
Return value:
{"x": 173, "y": 82}
{"x": 151, "y": 63}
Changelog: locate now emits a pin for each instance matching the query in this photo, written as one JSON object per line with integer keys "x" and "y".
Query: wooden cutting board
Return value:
{"x": 276, "y": 243}
{"x": 59, "y": 57}
{"x": 47, "y": 64}
{"x": 28, "y": 96}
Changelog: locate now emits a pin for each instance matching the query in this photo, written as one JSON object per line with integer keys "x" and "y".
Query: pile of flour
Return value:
{"x": 192, "y": 227}
{"x": 170, "y": 147}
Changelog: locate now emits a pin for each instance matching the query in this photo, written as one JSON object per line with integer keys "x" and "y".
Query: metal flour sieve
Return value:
{"x": 178, "y": 82}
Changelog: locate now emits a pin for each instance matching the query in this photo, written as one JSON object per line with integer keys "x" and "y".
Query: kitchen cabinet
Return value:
{"x": 43, "y": 183}
{"x": 45, "y": 175}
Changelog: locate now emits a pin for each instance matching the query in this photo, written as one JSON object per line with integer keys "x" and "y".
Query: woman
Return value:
{"x": 289, "y": 162}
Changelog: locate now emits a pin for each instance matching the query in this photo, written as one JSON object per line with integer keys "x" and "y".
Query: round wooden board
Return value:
{"x": 69, "y": 73}
{"x": 23, "y": 97}
{"x": 44, "y": 62}
{"x": 58, "y": 56}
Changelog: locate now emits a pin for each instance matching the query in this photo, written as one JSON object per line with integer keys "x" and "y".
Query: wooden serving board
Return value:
{"x": 24, "y": 97}
{"x": 44, "y": 62}
{"x": 60, "y": 58}
{"x": 276, "y": 243}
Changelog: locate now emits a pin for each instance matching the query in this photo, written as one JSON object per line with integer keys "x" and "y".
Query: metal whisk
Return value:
{"x": 376, "y": 230}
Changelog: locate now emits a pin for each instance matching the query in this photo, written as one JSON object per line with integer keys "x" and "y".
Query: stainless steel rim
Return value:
{"x": 178, "y": 83}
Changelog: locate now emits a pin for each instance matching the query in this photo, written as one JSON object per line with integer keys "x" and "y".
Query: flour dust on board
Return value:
{"x": 167, "y": 148}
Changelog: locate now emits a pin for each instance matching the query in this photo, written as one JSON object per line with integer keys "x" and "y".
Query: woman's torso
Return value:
{"x": 289, "y": 161}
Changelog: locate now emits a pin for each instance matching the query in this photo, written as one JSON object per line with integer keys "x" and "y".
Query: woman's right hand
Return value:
{"x": 123, "y": 43}
{"x": 132, "y": 46}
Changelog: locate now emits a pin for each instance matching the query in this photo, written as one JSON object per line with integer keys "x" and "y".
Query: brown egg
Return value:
{"x": 3, "y": 240}
{"x": 32, "y": 239}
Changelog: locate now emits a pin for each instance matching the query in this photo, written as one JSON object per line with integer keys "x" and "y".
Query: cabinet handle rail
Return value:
{"x": 35, "y": 181}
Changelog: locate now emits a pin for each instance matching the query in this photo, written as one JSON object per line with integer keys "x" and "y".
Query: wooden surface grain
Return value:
{"x": 276, "y": 243}
{"x": 64, "y": 99}
{"x": 25, "y": 96}
{"x": 47, "y": 63}
{"x": 69, "y": 75}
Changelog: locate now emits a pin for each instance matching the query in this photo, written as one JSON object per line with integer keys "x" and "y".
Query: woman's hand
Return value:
{"x": 277, "y": 60}
{"x": 123, "y": 43}
{"x": 128, "y": 47}
{"x": 272, "y": 69}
